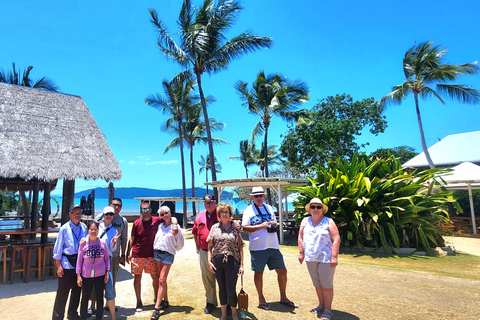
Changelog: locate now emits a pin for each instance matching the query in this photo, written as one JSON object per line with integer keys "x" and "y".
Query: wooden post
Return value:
{"x": 67, "y": 199}
{"x": 45, "y": 210}
{"x": 34, "y": 212}
{"x": 111, "y": 193}
{"x": 93, "y": 203}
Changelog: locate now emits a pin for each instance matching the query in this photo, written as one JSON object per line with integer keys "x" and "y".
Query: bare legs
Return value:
{"x": 325, "y": 297}
{"x": 137, "y": 285}
{"x": 282, "y": 285}
{"x": 162, "y": 283}
{"x": 111, "y": 307}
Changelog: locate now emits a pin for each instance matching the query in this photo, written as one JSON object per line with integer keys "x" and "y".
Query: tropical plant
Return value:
{"x": 424, "y": 68}
{"x": 179, "y": 96}
{"x": 246, "y": 155}
{"x": 12, "y": 77}
{"x": 375, "y": 202}
{"x": 273, "y": 157}
{"x": 205, "y": 166}
{"x": 203, "y": 46}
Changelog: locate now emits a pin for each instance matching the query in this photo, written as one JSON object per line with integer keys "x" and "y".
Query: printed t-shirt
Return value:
{"x": 93, "y": 256}
{"x": 260, "y": 239}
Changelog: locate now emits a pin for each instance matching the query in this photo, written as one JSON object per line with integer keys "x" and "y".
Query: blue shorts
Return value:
{"x": 109, "y": 292}
{"x": 271, "y": 257}
{"x": 163, "y": 256}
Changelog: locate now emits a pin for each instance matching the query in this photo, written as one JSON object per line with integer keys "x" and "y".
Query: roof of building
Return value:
{"x": 450, "y": 151}
{"x": 48, "y": 136}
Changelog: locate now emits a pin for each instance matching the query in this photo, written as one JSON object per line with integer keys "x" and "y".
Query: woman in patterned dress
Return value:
{"x": 318, "y": 245}
{"x": 225, "y": 255}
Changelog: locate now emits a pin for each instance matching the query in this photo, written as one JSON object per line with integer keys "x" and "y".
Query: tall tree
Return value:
{"x": 329, "y": 130}
{"x": 205, "y": 166}
{"x": 203, "y": 46}
{"x": 424, "y": 68}
{"x": 179, "y": 96}
{"x": 13, "y": 77}
{"x": 195, "y": 132}
{"x": 271, "y": 96}
{"x": 246, "y": 155}
{"x": 273, "y": 157}
{"x": 402, "y": 153}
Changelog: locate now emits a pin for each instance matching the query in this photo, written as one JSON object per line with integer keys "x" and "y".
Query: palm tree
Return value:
{"x": 424, "y": 67}
{"x": 25, "y": 81}
{"x": 195, "y": 130}
{"x": 247, "y": 149}
{"x": 271, "y": 96}
{"x": 205, "y": 165}
{"x": 272, "y": 155}
{"x": 179, "y": 96}
{"x": 203, "y": 46}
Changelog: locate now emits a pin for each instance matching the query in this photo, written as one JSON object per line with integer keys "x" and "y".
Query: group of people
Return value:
{"x": 89, "y": 256}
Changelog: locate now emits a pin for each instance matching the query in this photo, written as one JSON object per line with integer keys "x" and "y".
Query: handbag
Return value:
{"x": 242, "y": 301}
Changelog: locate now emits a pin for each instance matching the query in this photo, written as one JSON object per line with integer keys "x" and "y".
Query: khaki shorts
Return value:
{"x": 140, "y": 264}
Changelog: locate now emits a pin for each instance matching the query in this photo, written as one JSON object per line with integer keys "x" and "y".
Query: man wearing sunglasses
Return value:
{"x": 141, "y": 242}
{"x": 261, "y": 224}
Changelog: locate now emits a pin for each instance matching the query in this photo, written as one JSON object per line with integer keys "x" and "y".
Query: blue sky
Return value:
{"x": 106, "y": 52}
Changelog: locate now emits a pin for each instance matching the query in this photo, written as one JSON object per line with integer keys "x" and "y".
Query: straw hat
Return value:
{"x": 316, "y": 200}
{"x": 257, "y": 191}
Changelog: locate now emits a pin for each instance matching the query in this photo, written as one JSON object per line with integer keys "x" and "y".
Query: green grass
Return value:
{"x": 459, "y": 266}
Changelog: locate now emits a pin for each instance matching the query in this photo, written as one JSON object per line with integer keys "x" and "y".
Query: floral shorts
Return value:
{"x": 140, "y": 264}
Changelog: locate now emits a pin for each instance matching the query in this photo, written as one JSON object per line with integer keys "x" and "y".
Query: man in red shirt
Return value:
{"x": 141, "y": 258}
{"x": 201, "y": 230}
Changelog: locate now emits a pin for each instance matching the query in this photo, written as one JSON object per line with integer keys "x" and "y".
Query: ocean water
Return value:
{"x": 132, "y": 207}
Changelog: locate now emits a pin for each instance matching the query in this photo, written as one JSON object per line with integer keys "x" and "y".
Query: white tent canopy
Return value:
{"x": 465, "y": 176}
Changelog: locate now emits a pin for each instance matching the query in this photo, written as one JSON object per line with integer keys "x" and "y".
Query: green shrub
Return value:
{"x": 375, "y": 202}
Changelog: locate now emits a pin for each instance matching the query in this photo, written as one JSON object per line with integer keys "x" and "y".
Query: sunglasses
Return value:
{"x": 316, "y": 207}
{"x": 109, "y": 214}
{"x": 145, "y": 209}
{"x": 259, "y": 196}
{"x": 116, "y": 205}
{"x": 165, "y": 213}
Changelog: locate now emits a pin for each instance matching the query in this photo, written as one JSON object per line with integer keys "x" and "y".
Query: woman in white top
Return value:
{"x": 318, "y": 245}
{"x": 164, "y": 248}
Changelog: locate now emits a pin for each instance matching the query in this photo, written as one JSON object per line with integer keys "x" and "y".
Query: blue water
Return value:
{"x": 131, "y": 206}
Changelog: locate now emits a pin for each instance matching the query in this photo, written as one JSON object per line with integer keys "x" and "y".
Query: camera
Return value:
{"x": 272, "y": 229}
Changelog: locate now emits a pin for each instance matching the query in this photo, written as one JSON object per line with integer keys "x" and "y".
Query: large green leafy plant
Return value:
{"x": 375, "y": 202}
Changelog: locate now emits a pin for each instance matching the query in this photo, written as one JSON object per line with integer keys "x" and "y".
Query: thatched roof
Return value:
{"x": 49, "y": 136}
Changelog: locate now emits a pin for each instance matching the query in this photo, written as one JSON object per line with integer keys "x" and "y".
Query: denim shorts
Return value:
{"x": 109, "y": 292}
{"x": 271, "y": 257}
{"x": 163, "y": 256}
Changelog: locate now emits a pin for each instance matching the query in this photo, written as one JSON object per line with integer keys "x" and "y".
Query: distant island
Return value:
{"x": 130, "y": 193}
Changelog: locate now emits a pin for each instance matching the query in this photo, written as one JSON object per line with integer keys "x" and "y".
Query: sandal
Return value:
{"x": 318, "y": 309}
{"x": 155, "y": 314}
{"x": 264, "y": 306}
{"x": 290, "y": 304}
{"x": 164, "y": 305}
{"x": 327, "y": 314}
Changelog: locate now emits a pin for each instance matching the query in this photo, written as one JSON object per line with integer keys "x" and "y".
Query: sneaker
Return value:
{"x": 139, "y": 307}
{"x": 209, "y": 308}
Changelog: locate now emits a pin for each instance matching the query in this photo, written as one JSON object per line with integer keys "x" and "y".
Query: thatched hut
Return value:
{"x": 47, "y": 136}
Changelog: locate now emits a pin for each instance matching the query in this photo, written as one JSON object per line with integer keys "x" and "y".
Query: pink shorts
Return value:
{"x": 140, "y": 264}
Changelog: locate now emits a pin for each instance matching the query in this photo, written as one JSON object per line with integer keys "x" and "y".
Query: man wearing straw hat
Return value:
{"x": 261, "y": 224}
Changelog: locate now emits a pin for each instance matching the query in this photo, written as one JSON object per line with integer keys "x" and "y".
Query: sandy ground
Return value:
{"x": 361, "y": 292}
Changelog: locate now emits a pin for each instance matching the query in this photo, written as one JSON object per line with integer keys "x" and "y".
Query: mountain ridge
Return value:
{"x": 134, "y": 192}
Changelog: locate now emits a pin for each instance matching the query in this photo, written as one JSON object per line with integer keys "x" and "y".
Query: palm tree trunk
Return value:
{"x": 193, "y": 181}
{"x": 209, "y": 133}
{"x": 422, "y": 136}
{"x": 269, "y": 194}
{"x": 246, "y": 171}
{"x": 184, "y": 185}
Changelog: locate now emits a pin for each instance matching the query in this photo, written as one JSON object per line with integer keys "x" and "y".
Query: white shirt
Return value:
{"x": 166, "y": 241}
{"x": 317, "y": 241}
{"x": 260, "y": 239}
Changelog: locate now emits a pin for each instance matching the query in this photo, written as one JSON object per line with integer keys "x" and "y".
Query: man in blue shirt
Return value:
{"x": 65, "y": 254}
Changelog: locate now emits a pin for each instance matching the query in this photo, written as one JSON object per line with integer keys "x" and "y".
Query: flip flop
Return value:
{"x": 290, "y": 304}
{"x": 264, "y": 306}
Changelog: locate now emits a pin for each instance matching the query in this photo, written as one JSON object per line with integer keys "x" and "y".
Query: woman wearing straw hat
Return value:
{"x": 318, "y": 245}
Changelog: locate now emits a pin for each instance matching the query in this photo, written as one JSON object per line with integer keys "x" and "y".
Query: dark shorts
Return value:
{"x": 271, "y": 257}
